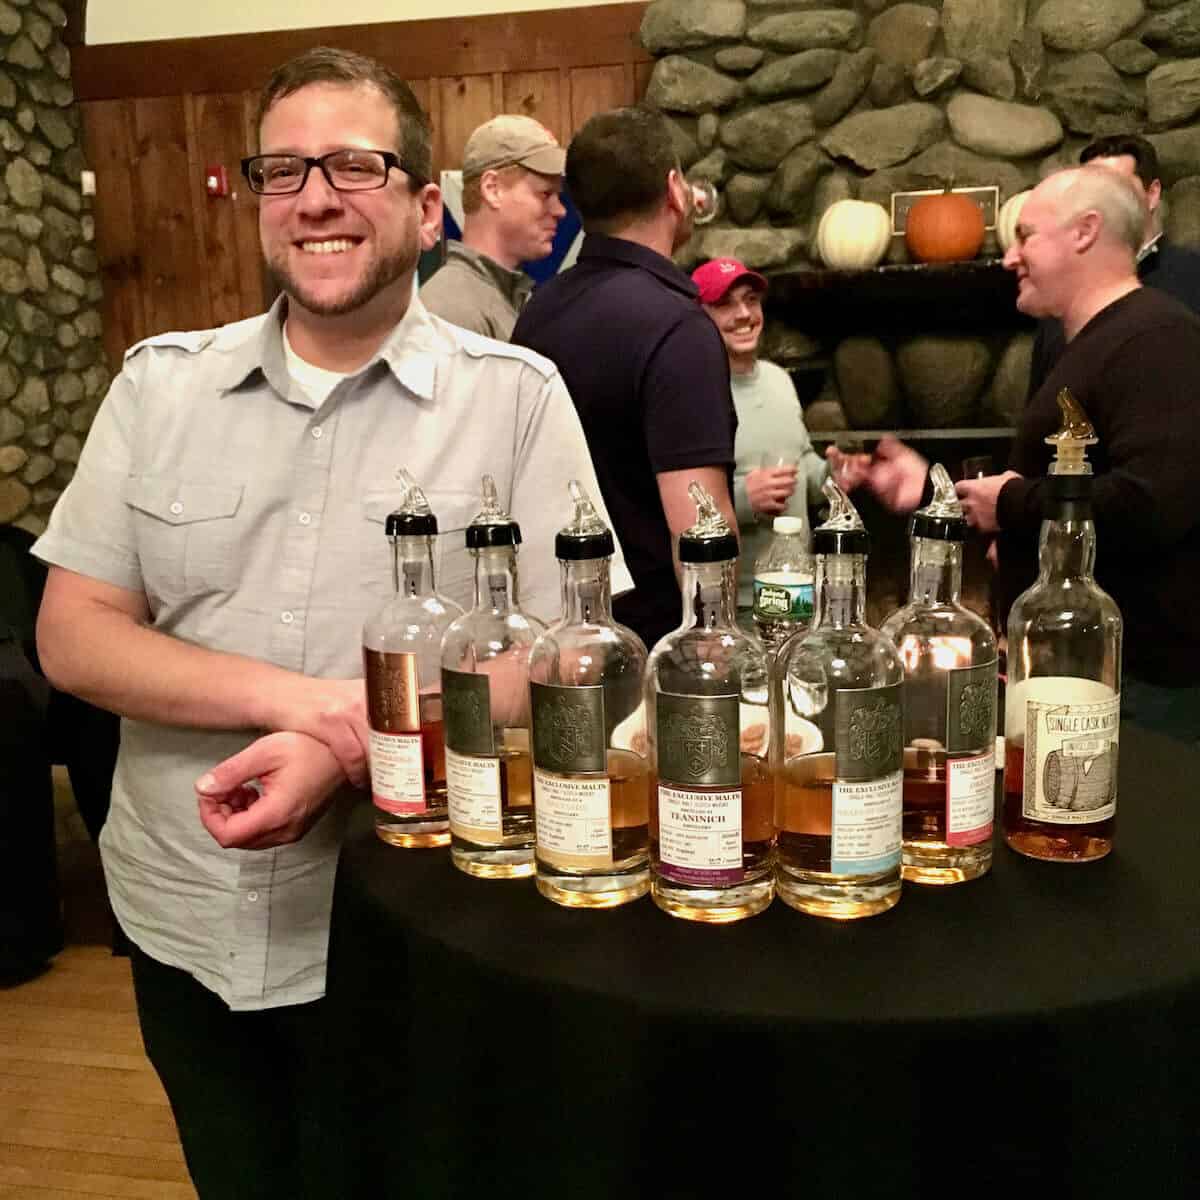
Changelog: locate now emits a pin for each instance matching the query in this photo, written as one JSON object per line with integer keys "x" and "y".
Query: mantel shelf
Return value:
{"x": 984, "y": 433}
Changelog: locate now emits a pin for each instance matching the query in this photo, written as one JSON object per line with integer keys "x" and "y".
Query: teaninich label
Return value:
{"x": 700, "y": 836}
{"x": 568, "y": 728}
{"x": 698, "y": 740}
{"x": 467, "y": 712}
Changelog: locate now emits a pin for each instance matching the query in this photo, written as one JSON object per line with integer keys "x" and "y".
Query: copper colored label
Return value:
{"x": 393, "y": 700}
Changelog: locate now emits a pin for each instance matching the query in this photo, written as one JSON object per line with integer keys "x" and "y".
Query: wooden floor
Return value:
{"x": 81, "y": 1111}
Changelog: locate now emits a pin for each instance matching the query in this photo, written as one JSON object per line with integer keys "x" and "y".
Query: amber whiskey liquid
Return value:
{"x": 805, "y": 878}
{"x": 690, "y": 894}
{"x": 1044, "y": 839}
{"x": 505, "y": 852}
{"x": 592, "y": 833}
{"x": 935, "y": 851}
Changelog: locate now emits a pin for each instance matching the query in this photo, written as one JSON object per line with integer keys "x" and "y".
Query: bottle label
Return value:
{"x": 473, "y": 798}
{"x": 568, "y": 728}
{"x": 971, "y": 708}
{"x": 783, "y": 598}
{"x": 467, "y": 711}
{"x": 699, "y": 740}
{"x": 868, "y": 724}
{"x": 393, "y": 695}
{"x": 971, "y": 798}
{"x": 1071, "y": 761}
{"x": 700, "y": 836}
{"x": 573, "y": 820}
{"x": 867, "y": 820}
{"x": 397, "y": 772}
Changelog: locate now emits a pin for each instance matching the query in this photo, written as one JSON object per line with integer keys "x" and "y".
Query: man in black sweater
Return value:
{"x": 1132, "y": 359}
{"x": 1160, "y": 263}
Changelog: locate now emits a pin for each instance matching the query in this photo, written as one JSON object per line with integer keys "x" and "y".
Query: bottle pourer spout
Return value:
{"x": 414, "y": 502}
{"x": 1075, "y": 434}
{"x": 587, "y": 521}
{"x": 843, "y": 516}
{"x": 710, "y": 523}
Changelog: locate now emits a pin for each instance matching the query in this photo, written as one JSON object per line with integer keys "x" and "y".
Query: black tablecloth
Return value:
{"x": 1037, "y": 1026}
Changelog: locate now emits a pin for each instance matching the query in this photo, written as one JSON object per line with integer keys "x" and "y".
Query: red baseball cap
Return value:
{"x": 716, "y": 277}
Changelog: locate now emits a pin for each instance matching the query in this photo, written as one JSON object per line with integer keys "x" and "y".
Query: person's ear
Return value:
{"x": 1154, "y": 195}
{"x": 430, "y": 226}
{"x": 1087, "y": 230}
{"x": 491, "y": 189}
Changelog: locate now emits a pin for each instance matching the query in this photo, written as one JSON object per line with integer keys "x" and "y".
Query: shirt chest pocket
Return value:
{"x": 186, "y": 534}
{"x": 455, "y": 570}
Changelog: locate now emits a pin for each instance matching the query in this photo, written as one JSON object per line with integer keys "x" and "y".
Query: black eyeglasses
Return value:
{"x": 344, "y": 171}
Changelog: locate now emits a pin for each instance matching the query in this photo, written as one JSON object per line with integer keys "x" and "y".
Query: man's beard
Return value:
{"x": 380, "y": 274}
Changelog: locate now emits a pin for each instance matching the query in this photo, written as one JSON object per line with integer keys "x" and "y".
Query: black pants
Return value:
{"x": 255, "y": 1094}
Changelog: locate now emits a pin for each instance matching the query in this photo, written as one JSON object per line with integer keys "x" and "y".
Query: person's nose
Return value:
{"x": 1012, "y": 256}
{"x": 318, "y": 196}
{"x": 557, "y": 208}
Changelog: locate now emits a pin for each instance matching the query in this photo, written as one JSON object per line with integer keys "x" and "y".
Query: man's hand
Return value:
{"x": 333, "y": 711}
{"x": 978, "y": 498}
{"x": 849, "y": 471}
{"x": 295, "y": 775}
{"x": 897, "y": 475}
{"x": 769, "y": 488}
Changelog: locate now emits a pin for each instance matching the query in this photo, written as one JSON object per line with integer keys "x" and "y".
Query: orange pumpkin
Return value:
{"x": 944, "y": 228}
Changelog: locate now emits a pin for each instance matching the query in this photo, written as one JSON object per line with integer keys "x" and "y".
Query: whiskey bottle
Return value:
{"x": 711, "y": 820}
{"x": 836, "y": 747}
{"x": 401, "y": 660}
{"x": 585, "y": 673}
{"x": 1063, "y": 700}
{"x": 485, "y": 694}
{"x": 949, "y": 658}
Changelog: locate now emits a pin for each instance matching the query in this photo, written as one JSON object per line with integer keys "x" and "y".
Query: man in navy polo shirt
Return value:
{"x": 645, "y": 366}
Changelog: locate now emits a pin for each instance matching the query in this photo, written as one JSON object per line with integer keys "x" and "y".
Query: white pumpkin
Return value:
{"x": 853, "y": 235}
{"x": 1010, "y": 214}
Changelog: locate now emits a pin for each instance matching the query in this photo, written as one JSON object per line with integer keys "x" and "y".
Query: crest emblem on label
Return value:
{"x": 698, "y": 740}
{"x": 869, "y": 732}
{"x": 568, "y": 728}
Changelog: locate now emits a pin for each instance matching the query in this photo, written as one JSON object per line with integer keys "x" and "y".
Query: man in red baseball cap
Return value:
{"x": 772, "y": 446}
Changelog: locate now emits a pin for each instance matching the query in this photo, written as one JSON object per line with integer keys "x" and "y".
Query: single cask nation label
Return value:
{"x": 1071, "y": 761}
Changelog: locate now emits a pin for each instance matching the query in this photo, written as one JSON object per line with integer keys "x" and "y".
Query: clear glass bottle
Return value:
{"x": 590, "y": 771}
{"x": 783, "y": 583}
{"x": 949, "y": 657}
{"x": 836, "y": 740}
{"x": 401, "y": 661}
{"x": 485, "y": 690}
{"x": 707, "y": 691}
{"x": 1063, "y": 699}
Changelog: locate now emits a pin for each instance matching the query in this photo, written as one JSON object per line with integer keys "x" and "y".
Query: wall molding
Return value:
{"x": 501, "y": 43}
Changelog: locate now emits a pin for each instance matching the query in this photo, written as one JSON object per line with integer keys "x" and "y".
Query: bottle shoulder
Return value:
{"x": 927, "y": 627}
{"x": 696, "y": 660}
{"x": 851, "y": 656}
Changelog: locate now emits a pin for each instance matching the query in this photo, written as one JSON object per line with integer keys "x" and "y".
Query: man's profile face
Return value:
{"x": 738, "y": 316}
{"x": 1040, "y": 255}
{"x": 334, "y": 252}
{"x": 529, "y": 212}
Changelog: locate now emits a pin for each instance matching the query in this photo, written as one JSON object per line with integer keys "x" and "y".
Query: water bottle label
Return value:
{"x": 778, "y": 601}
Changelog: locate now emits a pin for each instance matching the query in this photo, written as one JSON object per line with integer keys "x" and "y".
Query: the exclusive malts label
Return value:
{"x": 868, "y": 790}
{"x": 970, "y": 778}
{"x": 1071, "y": 761}
{"x": 472, "y": 768}
{"x": 971, "y": 708}
{"x": 467, "y": 712}
{"x": 394, "y": 744}
{"x": 699, "y": 740}
{"x": 568, "y": 728}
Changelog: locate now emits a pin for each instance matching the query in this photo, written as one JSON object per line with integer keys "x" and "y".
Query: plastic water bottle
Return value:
{"x": 783, "y": 583}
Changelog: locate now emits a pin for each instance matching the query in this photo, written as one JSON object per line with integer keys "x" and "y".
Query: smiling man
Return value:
{"x": 512, "y": 177}
{"x": 211, "y": 565}
{"x": 772, "y": 446}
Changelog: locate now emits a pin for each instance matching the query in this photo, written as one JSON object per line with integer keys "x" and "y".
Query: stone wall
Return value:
{"x": 52, "y": 370}
{"x": 789, "y": 105}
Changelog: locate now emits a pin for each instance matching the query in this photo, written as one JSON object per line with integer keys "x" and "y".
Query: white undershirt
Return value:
{"x": 316, "y": 382}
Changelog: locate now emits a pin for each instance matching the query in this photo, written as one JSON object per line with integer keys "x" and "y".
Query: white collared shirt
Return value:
{"x": 253, "y": 520}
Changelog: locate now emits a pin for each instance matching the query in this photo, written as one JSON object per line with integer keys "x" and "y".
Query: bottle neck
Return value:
{"x": 935, "y": 576}
{"x": 840, "y": 590}
{"x": 586, "y": 593}
{"x": 412, "y": 566}
{"x": 1067, "y": 549}
{"x": 709, "y": 594}
{"x": 496, "y": 578}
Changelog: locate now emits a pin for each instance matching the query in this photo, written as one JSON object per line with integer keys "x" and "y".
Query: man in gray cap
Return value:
{"x": 512, "y": 175}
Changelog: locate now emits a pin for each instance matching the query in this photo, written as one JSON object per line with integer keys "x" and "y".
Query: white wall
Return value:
{"x": 147, "y": 20}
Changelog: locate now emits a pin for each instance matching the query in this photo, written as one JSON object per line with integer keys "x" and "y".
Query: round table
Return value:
{"x": 1040, "y": 1025}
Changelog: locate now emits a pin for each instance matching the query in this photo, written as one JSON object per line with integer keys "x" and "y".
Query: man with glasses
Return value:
{"x": 512, "y": 176}
{"x": 211, "y": 565}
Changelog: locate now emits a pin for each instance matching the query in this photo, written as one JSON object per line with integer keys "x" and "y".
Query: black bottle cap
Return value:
{"x": 720, "y": 548}
{"x": 576, "y": 547}
{"x": 411, "y": 524}
{"x": 943, "y": 529}
{"x": 841, "y": 541}
{"x": 1068, "y": 497}
{"x": 503, "y": 533}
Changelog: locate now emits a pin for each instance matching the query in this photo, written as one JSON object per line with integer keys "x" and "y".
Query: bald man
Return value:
{"x": 1132, "y": 359}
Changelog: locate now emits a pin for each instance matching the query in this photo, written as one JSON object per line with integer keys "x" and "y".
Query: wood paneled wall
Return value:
{"x": 156, "y": 114}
